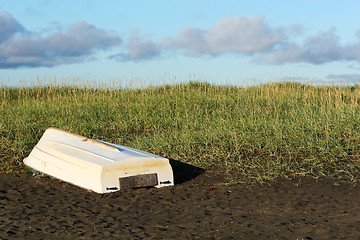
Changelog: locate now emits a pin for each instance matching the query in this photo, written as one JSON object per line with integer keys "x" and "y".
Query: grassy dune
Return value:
{"x": 253, "y": 133}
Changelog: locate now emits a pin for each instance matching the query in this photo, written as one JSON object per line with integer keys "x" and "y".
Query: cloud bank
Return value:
{"x": 22, "y": 48}
{"x": 139, "y": 48}
{"x": 251, "y": 36}
{"x": 8, "y": 26}
{"x": 321, "y": 48}
{"x": 241, "y": 35}
{"x": 230, "y": 35}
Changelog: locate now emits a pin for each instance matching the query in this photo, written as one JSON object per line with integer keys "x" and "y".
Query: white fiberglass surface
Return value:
{"x": 69, "y": 146}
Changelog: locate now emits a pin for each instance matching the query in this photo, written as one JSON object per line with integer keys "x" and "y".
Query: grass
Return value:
{"x": 253, "y": 134}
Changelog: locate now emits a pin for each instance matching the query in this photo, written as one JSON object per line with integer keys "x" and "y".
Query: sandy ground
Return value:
{"x": 201, "y": 208}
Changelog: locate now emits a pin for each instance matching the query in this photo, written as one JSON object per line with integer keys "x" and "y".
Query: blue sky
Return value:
{"x": 223, "y": 42}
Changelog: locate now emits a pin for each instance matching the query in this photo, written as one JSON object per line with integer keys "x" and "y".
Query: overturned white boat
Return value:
{"x": 96, "y": 165}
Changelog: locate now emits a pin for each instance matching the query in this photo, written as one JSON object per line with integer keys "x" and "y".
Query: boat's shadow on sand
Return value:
{"x": 184, "y": 172}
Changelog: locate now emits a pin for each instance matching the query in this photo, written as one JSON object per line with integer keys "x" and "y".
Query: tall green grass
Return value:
{"x": 252, "y": 134}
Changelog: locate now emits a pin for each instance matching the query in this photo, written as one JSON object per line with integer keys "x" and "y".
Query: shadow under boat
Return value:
{"x": 184, "y": 172}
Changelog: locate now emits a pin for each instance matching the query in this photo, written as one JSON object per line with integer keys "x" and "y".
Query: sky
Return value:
{"x": 169, "y": 41}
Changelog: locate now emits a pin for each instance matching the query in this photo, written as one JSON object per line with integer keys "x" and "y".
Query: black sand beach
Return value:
{"x": 202, "y": 208}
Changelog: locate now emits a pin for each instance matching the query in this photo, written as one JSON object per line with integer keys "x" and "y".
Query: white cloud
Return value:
{"x": 8, "y": 26}
{"x": 31, "y": 50}
{"x": 229, "y": 35}
{"x": 240, "y": 35}
{"x": 139, "y": 48}
{"x": 352, "y": 51}
{"x": 322, "y": 48}
{"x": 296, "y": 29}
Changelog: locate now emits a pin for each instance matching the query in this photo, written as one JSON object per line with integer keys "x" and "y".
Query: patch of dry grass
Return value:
{"x": 253, "y": 133}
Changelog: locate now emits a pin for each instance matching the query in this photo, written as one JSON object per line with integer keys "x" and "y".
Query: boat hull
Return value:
{"x": 97, "y": 165}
